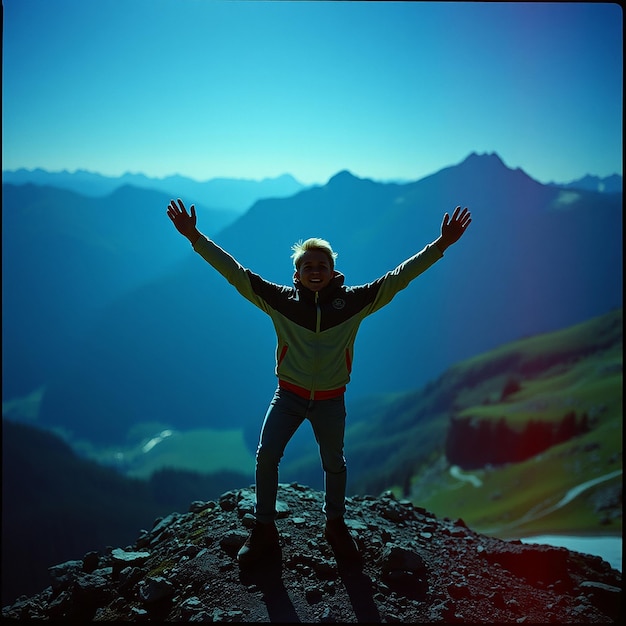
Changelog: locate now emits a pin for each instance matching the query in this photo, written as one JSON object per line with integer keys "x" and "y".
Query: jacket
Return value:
{"x": 316, "y": 330}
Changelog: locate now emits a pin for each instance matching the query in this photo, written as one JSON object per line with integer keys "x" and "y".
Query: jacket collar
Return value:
{"x": 306, "y": 294}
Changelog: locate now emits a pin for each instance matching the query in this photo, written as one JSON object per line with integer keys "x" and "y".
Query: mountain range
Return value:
{"x": 223, "y": 194}
{"x": 151, "y": 334}
{"x": 606, "y": 184}
{"x": 113, "y": 329}
{"x": 66, "y": 256}
{"x": 231, "y": 194}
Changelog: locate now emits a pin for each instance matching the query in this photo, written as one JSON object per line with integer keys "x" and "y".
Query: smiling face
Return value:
{"x": 315, "y": 270}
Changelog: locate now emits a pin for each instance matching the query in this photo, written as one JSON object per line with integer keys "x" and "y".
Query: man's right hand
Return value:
{"x": 184, "y": 222}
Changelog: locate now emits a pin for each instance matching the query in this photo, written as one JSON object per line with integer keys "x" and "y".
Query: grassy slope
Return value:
{"x": 206, "y": 451}
{"x": 203, "y": 450}
{"x": 583, "y": 373}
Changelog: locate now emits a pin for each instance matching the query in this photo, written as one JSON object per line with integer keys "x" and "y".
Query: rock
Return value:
{"x": 227, "y": 616}
{"x": 232, "y": 541}
{"x": 327, "y": 616}
{"x": 228, "y": 501}
{"x": 91, "y": 561}
{"x": 58, "y": 607}
{"x": 191, "y": 606}
{"x": 64, "y": 574}
{"x": 282, "y": 509}
{"x": 541, "y": 563}
{"x": 248, "y": 521}
{"x": 313, "y": 595}
{"x": 397, "y": 557}
{"x": 404, "y": 570}
{"x": 416, "y": 569}
{"x": 155, "y": 589}
{"x": 458, "y": 591}
{"x": 94, "y": 590}
{"x": 603, "y": 596}
{"x": 128, "y": 578}
{"x": 245, "y": 506}
{"x": 162, "y": 522}
{"x": 197, "y": 506}
{"x": 129, "y": 558}
{"x": 324, "y": 569}
{"x": 137, "y": 614}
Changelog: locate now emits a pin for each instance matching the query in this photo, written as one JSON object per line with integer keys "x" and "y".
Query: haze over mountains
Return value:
{"x": 227, "y": 194}
{"x": 219, "y": 194}
{"x": 108, "y": 307}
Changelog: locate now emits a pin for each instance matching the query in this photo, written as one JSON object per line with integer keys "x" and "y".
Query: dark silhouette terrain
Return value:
{"x": 56, "y": 504}
{"x": 416, "y": 569}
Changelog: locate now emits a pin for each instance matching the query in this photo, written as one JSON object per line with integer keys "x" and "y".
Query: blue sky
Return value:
{"x": 388, "y": 90}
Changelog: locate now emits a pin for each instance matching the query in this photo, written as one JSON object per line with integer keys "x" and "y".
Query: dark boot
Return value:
{"x": 340, "y": 539}
{"x": 262, "y": 541}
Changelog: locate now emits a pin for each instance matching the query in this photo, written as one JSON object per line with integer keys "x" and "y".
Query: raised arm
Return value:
{"x": 249, "y": 285}
{"x": 453, "y": 229}
{"x": 185, "y": 223}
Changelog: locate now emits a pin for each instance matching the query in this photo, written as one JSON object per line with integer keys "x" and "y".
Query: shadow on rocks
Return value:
{"x": 359, "y": 588}
{"x": 158, "y": 611}
{"x": 267, "y": 576}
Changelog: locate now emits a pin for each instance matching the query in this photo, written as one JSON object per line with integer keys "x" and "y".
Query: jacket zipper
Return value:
{"x": 318, "y": 313}
{"x": 318, "y": 325}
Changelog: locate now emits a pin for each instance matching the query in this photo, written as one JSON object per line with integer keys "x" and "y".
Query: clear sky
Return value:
{"x": 254, "y": 89}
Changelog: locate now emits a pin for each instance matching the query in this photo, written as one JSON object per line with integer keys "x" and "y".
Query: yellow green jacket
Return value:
{"x": 316, "y": 330}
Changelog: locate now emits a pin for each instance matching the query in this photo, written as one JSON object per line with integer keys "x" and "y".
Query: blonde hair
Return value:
{"x": 314, "y": 243}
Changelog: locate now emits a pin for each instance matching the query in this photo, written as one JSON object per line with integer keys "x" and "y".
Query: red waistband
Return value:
{"x": 322, "y": 394}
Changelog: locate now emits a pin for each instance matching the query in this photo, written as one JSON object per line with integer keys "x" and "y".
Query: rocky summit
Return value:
{"x": 415, "y": 568}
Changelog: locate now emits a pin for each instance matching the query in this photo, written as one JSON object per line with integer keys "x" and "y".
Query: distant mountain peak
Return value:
{"x": 341, "y": 177}
{"x": 490, "y": 165}
{"x": 484, "y": 157}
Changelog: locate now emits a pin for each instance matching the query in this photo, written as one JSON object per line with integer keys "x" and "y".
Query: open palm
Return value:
{"x": 453, "y": 228}
{"x": 184, "y": 222}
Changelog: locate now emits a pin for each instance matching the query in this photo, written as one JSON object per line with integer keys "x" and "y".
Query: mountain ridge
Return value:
{"x": 606, "y": 184}
{"x": 506, "y": 279}
{"x": 223, "y": 194}
{"x": 589, "y": 182}
{"x": 65, "y": 257}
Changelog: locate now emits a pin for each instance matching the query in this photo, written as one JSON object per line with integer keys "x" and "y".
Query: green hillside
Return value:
{"x": 575, "y": 486}
{"x": 547, "y": 381}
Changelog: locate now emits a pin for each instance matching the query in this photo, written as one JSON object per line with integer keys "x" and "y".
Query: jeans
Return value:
{"x": 285, "y": 414}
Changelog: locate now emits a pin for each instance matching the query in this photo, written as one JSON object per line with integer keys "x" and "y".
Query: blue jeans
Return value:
{"x": 284, "y": 416}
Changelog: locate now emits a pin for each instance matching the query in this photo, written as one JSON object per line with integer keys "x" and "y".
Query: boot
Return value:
{"x": 262, "y": 541}
{"x": 340, "y": 539}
